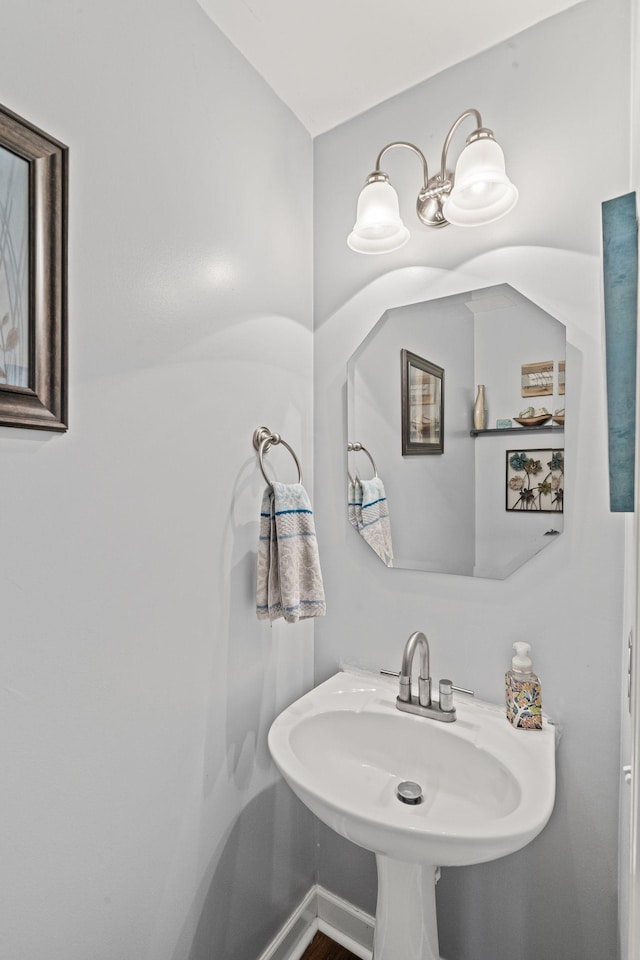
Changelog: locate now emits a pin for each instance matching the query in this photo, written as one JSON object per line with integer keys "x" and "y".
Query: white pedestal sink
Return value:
{"x": 488, "y": 790}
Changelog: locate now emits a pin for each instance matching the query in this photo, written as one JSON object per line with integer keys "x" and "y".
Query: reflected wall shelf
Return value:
{"x": 523, "y": 431}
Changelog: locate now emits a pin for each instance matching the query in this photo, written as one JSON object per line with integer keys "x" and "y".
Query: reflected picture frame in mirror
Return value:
{"x": 422, "y": 386}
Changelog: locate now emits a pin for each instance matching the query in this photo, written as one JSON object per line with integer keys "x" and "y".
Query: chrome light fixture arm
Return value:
{"x": 407, "y": 146}
{"x": 428, "y": 204}
{"x": 431, "y": 200}
{"x": 447, "y": 143}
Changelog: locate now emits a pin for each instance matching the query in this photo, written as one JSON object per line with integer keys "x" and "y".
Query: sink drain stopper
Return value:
{"x": 409, "y": 792}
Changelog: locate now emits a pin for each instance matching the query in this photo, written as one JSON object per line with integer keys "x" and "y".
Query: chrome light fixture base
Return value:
{"x": 430, "y": 201}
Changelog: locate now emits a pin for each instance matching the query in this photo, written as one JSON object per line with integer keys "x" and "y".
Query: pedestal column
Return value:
{"x": 406, "y": 925}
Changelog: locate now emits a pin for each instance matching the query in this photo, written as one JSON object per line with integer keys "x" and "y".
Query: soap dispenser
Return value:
{"x": 523, "y": 694}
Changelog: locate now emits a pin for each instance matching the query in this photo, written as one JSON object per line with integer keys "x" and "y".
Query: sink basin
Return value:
{"x": 488, "y": 789}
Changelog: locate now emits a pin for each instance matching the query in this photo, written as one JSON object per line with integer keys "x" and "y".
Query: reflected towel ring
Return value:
{"x": 263, "y": 438}
{"x": 357, "y": 447}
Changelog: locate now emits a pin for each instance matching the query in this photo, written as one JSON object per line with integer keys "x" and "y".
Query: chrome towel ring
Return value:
{"x": 263, "y": 438}
{"x": 356, "y": 447}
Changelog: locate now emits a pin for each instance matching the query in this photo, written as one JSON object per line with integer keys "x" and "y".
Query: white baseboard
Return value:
{"x": 296, "y": 933}
{"x": 347, "y": 925}
{"x": 321, "y": 910}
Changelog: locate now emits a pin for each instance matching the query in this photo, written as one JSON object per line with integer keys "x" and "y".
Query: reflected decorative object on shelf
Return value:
{"x": 422, "y": 384}
{"x": 478, "y": 193}
{"x": 33, "y": 276}
{"x": 533, "y": 418}
{"x": 532, "y": 421}
{"x": 535, "y": 481}
{"x": 480, "y": 409}
{"x": 558, "y": 416}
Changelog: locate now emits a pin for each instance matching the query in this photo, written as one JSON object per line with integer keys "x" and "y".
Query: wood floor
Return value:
{"x": 322, "y": 948}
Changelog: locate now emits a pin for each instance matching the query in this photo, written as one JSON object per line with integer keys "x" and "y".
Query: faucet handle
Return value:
{"x": 445, "y": 688}
{"x": 404, "y": 692}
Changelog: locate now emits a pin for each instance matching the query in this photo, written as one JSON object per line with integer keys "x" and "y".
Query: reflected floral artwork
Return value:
{"x": 535, "y": 481}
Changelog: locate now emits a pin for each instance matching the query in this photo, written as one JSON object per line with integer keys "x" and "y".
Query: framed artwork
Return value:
{"x": 33, "y": 276}
{"x": 422, "y": 405}
{"x": 535, "y": 481}
{"x": 537, "y": 379}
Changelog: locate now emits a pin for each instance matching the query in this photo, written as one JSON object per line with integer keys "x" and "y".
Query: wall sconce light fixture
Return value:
{"x": 479, "y": 192}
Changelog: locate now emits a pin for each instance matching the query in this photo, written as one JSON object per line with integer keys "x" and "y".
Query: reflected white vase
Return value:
{"x": 480, "y": 410}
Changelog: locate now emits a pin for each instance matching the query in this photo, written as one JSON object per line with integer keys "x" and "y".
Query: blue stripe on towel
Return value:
{"x": 371, "y": 523}
{"x": 302, "y": 533}
{"x": 307, "y": 603}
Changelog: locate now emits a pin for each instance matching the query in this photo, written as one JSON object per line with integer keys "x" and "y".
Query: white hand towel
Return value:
{"x": 289, "y": 583}
{"x": 354, "y": 503}
{"x": 371, "y": 513}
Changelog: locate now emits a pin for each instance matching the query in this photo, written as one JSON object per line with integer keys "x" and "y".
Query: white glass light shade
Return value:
{"x": 378, "y": 227}
{"x": 481, "y": 192}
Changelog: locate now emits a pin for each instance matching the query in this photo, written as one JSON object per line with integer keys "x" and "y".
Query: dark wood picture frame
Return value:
{"x": 41, "y": 403}
{"x": 422, "y": 384}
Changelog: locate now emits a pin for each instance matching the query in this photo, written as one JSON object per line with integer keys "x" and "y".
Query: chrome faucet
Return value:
{"x": 423, "y": 705}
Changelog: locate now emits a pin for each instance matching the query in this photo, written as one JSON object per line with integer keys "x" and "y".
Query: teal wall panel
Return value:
{"x": 620, "y": 267}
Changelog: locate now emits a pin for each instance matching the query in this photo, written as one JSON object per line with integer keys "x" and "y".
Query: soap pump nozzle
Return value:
{"x": 521, "y": 663}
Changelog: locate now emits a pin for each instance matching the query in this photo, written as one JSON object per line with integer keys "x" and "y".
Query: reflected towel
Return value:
{"x": 289, "y": 581}
{"x": 354, "y": 503}
{"x": 369, "y": 514}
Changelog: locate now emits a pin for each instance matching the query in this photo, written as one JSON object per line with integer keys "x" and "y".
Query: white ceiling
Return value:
{"x": 330, "y": 60}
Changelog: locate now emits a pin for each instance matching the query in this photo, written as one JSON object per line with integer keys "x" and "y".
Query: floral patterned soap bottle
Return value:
{"x": 523, "y": 691}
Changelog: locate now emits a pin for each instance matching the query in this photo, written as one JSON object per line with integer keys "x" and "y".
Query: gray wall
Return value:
{"x": 558, "y": 98}
{"x": 141, "y": 816}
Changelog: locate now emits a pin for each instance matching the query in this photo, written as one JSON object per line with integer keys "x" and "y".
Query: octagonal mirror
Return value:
{"x": 431, "y": 490}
